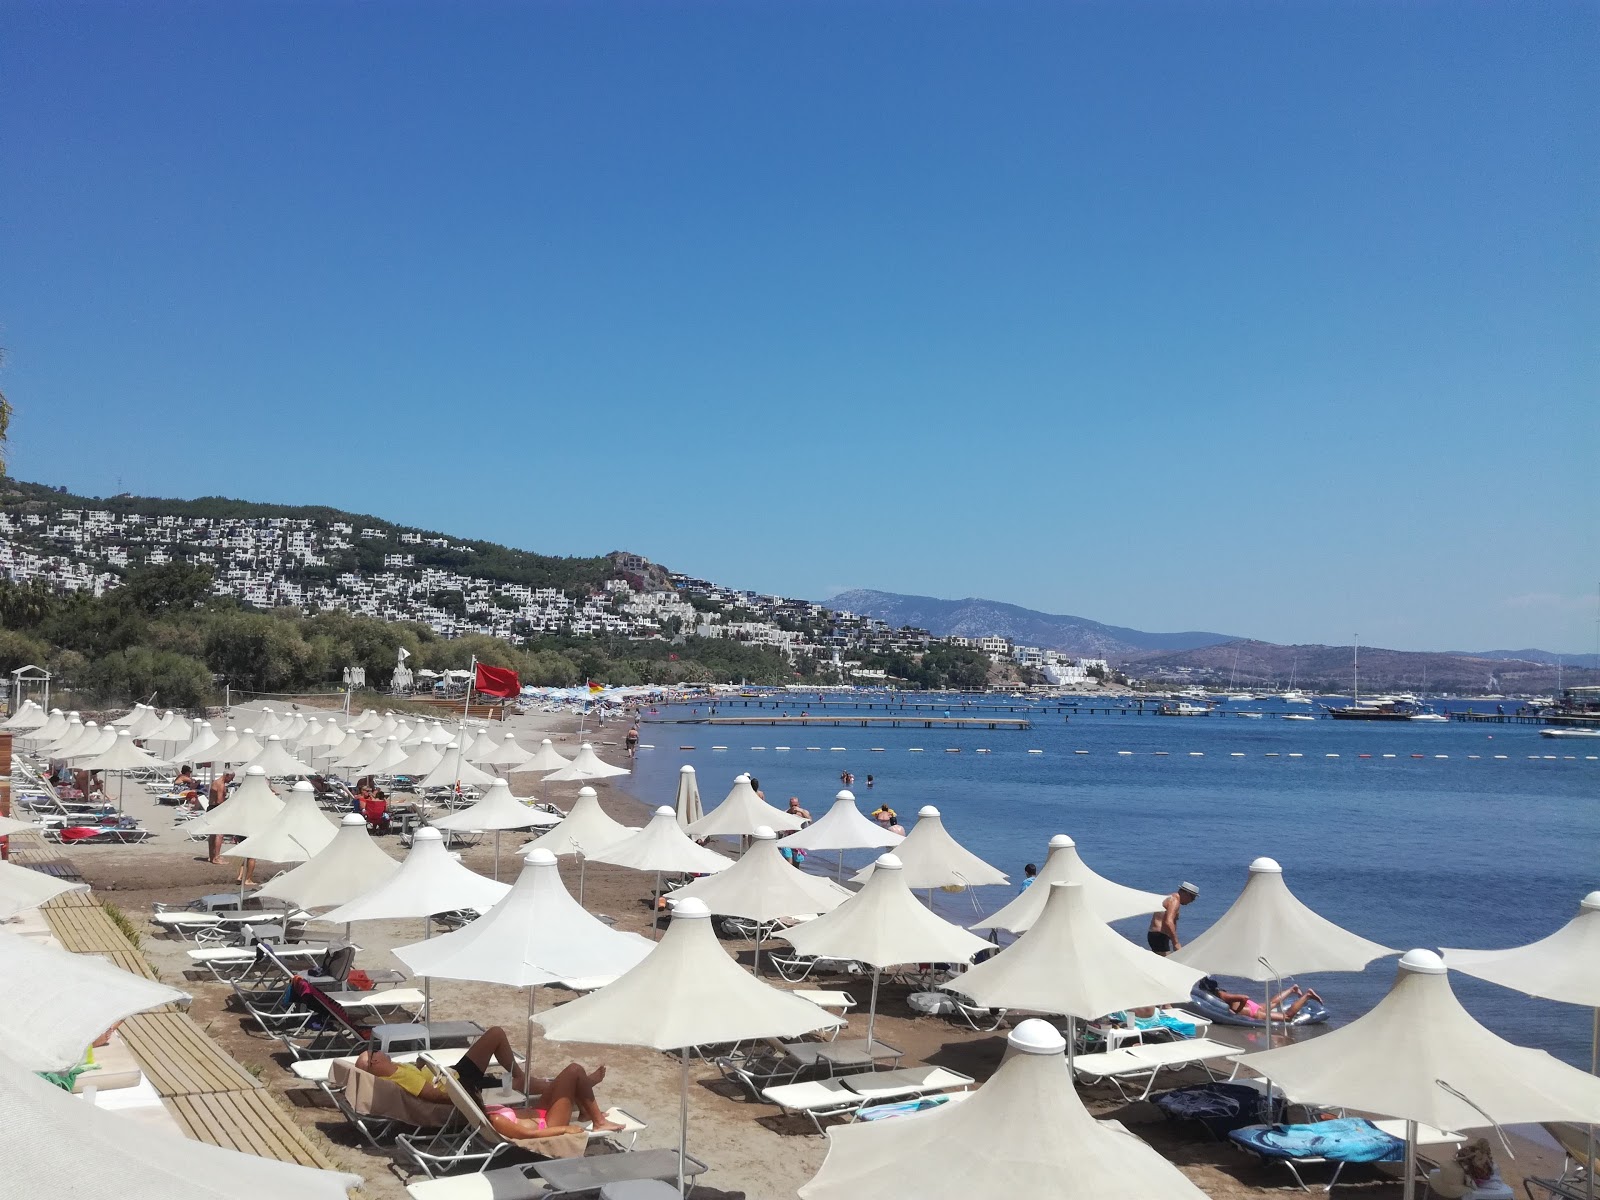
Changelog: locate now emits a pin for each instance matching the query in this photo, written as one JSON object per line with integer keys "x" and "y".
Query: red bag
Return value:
{"x": 358, "y": 981}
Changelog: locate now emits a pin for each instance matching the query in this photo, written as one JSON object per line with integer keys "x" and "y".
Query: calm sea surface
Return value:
{"x": 1409, "y": 851}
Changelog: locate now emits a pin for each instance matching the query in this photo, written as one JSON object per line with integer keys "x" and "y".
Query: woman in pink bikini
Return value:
{"x": 1243, "y": 1006}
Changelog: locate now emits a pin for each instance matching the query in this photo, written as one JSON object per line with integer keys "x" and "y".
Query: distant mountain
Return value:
{"x": 990, "y": 618}
{"x": 1547, "y": 657}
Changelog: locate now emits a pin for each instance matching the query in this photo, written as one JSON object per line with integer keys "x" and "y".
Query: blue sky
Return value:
{"x": 1276, "y": 320}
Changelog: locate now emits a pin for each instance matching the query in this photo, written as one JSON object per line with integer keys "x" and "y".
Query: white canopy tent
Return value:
{"x": 686, "y": 803}
{"x": 299, "y": 832}
{"x": 740, "y": 814}
{"x": 497, "y": 809}
{"x": 536, "y": 934}
{"x": 662, "y": 846}
{"x": 884, "y": 924}
{"x": 687, "y": 992}
{"x": 931, "y": 859}
{"x": 585, "y": 830}
{"x": 1420, "y": 1056}
{"x": 350, "y": 865}
{"x": 585, "y": 764}
{"x": 992, "y": 1144}
{"x": 1107, "y": 900}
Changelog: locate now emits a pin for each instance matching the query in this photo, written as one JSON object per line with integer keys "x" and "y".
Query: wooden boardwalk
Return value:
{"x": 249, "y": 1121}
{"x": 180, "y": 1059}
{"x": 913, "y": 721}
{"x": 88, "y": 930}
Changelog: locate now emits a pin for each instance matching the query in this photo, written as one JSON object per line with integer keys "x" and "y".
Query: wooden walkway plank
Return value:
{"x": 180, "y": 1059}
{"x": 88, "y": 930}
{"x": 251, "y": 1122}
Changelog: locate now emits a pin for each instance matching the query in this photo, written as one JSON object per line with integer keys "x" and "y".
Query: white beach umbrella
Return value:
{"x": 497, "y": 809}
{"x": 10, "y": 825}
{"x": 585, "y": 830}
{"x": 302, "y": 741}
{"x": 1419, "y": 1055}
{"x": 28, "y": 717}
{"x": 931, "y": 858}
{"x": 265, "y": 722}
{"x": 201, "y": 744}
{"x": 386, "y": 726}
{"x": 440, "y": 735}
{"x": 172, "y": 732}
{"x": 536, "y": 934}
{"x": 507, "y": 753}
{"x": 146, "y": 723}
{"x": 481, "y": 749}
{"x": 1107, "y": 900}
{"x": 364, "y": 751}
{"x": 291, "y": 731}
{"x": 421, "y": 761}
{"x": 121, "y": 758}
{"x": 245, "y": 748}
{"x": 740, "y": 814}
{"x": 350, "y": 865}
{"x": 884, "y": 924}
{"x": 87, "y": 747}
{"x": 54, "y": 726}
{"x": 70, "y": 732}
{"x": 57, "y": 1144}
{"x": 389, "y": 756}
{"x": 129, "y": 717}
{"x": 1073, "y": 964}
{"x": 764, "y": 887}
{"x": 369, "y": 720}
{"x": 842, "y": 828}
{"x": 991, "y": 1145}
{"x": 401, "y": 733}
{"x": 454, "y": 769}
{"x": 297, "y": 833}
{"x": 22, "y": 889}
{"x": 662, "y": 846}
{"x": 585, "y": 764}
{"x": 57, "y": 1003}
{"x": 276, "y": 761}
{"x": 687, "y": 802}
{"x": 252, "y": 807}
{"x": 545, "y": 758}
{"x": 686, "y": 993}
{"x": 226, "y": 741}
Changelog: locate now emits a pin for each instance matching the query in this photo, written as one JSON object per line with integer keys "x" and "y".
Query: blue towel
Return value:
{"x": 1348, "y": 1139}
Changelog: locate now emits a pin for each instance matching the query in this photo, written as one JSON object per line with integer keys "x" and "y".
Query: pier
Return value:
{"x": 913, "y": 721}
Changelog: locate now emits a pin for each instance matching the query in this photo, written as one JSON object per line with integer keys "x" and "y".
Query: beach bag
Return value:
{"x": 358, "y": 981}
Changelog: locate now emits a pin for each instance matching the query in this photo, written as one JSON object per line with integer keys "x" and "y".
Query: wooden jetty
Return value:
{"x": 912, "y": 720}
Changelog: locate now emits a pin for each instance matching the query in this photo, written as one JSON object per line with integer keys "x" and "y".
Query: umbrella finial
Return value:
{"x": 690, "y": 908}
{"x": 845, "y": 794}
{"x": 1061, "y": 842}
{"x": 254, "y": 770}
{"x": 763, "y": 833}
{"x": 890, "y": 862}
{"x": 1591, "y": 901}
{"x": 351, "y": 818}
{"x": 927, "y": 810}
{"x": 666, "y": 810}
{"x": 305, "y": 786}
{"x": 539, "y": 857}
{"x": 1264, "y": 865}
{"x": 1422, "y": 962}
{"x": 1034, "y": 1036}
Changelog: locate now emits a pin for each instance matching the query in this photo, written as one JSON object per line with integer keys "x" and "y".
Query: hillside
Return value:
{"x": 1024, "y": 626}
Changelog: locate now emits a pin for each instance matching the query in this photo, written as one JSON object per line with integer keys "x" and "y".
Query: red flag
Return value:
{"x": 497, "y": 681}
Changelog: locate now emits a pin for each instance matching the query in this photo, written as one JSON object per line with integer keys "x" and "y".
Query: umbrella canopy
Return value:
{"x": 662, "y": 846}
{"x": 58, "y": 1003}
{"x": 389, "y": 756}
{"x": 174, "y": 731}
{"x": 350, "y": 865}
{"x": 252, "y": 807}
{"x": 740, "y": 814}
{"x": 687, "y": 802}
{"x": 482, "y": 749}
{"x": 1109, "y": 901}
{"x": 932, "y": 858}
{"x": 842, "y": 827}
{"x": 10, "y": 825}
{"x": 507, "y": 753}
{"x": 296, "y": 834}
{"x": 276, "y": 760}
{"x": 70, "y": 733}
{"x": 1268, "y": 923}
{"x": 30, "y": 716}
{"x": 305, "y": 739}
{"x": 361, "y": 754}
{"x": 200, "y": 745}
{"x": 421, "y": 761}
{"x": 763, "y": 886}
{"x": 453, "y": 768}
{"x": 245, "y": 748}
{"x": 22, "y": 889}
{"x": 536, "y": 934}
{"x": 329, "y": 736}
{"x": 545, "y": 758}
{"x": 54, "y": 726}
{"x": 439, "y": 735}
{"x": 586, "y": 829}
{"x": 93, "y": 746}
{"x": 56, "y": 1145}
{"x": 225, "y": 744}
{"x": 1564, "y": 966}
{"x": 1072, "y": 963}
{"x": 123, "y": 756}
{"x": 292, "y": 731}
{"x": 129, "y": 717}
{"x": 585, "y": 764}
{"x": 429, "y": 881}
{"x": 367, "y": 721}
{"x": 990, "y": 1146}
{"x": 146, "y": 723}
{"x": 385, "y": 726}
{"x": 1416, "y": 1049}
{"x": 498, "y": 809}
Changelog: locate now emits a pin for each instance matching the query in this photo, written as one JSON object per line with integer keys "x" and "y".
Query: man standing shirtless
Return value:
{"x": 216, "y": 794}
{"x": 1163, "y": 935}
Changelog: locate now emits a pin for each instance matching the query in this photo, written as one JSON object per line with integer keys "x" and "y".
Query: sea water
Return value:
{"x": 1458, "y": 834}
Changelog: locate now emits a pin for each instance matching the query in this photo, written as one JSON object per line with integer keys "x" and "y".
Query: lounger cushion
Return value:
{"x": 374, "y": 1097}
{"x": 1347, "y": 1139}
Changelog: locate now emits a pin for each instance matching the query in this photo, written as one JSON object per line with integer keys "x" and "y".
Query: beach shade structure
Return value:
{"x": 146, "y": 723}
{"x": 23, "y": 889}
{"x": 536, "y": 934}
{"x": 740, "y": 814}
{"x": 389, "y": 757}
{"x": 28, "y": 717}
{"x": 356, "y": 757}
{"x": 276, "y": 761}
{"x": 545, "y": 758}
{"x": 401, "y": 733}
{"x": 58, "y": 1003}
{"x": 319, "y": 743}
{"x": 299, "y": 832}
{"x": 439, "y": 735}
{"x": 421, "y": 761}
{"x": 507, "y": 753}
{"x": 385, "y": 726}
{"x": 69, "y": 733}
{"x": 1107, "y": 900}
{"x": 1419, "y": 1055}
{"x": 367, "y": 721}
{"x": 121, "y": 758}
{"x": 292, "y": 730}
{"x": 266, "y": 722}
{"x": 58, "y": 1144}
{"x": 201, "y": 744}
{"x": 662, "y": 846}
{"x": 301, "y": 740}
{"x": 10, "y": 825}
{"x": 129, "y": 717}
{"x": 842, "y": 828}
{"x": 931, "y": 858}
{"x": 86, "y": 747}
{"x": 992, "y": 1145}
{"x": 882, "y": 925}
{"x": 585, "y": 830}
{"x": 763, "y": 887}
{"x": 453, "y": 770}
{"x": 429, "y": 881}
{"x": 686, "y": 993}
{"x": 350, "y": 865}
{"x": 497, "y": 809}
{"x": 1268, "y": 934}
{"x": 481, "y": 749}
{"x": 245, "y": 748}
{"x": 251, "y": 808}
{"x": 1071, "y": 963}
{"x": 174, "y": 732}
{"x": 687, "y": 802}
{"x": 54, "y": 725}
{"x": 585, "y": 764}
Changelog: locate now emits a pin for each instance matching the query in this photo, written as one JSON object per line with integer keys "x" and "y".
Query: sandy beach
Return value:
{"x": 752, "y": 1151}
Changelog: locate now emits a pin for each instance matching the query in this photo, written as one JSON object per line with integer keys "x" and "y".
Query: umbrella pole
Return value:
{"x": 582, "y": 859}
{"x": 1594, "y": 1069}
{"x": 655, "y": 911}
{"x": 683, "y": 1118}
{"x": 527, "y": 1057}
{"x": 872, "y": 1010}
{"x": 1072, "y": 1036}
{"x": 1411, "y": 1160}
{"x": 755, "y": 968}
{"x": 427, "y": 990}
{"x": 497, "y": 855}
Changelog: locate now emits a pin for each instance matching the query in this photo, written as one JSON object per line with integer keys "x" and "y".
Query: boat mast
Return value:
{"x": 1356, "y": 699}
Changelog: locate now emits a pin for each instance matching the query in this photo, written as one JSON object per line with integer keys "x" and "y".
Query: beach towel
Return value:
{"x": 1220, "y": 1107}
{"x": 1346, "y": 1139}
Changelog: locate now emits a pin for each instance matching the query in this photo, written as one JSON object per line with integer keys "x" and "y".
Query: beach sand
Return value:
{"x": 752, "y": 1151}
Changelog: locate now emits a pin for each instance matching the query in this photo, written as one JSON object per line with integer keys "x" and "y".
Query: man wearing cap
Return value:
{"x": 1163, "y": 935}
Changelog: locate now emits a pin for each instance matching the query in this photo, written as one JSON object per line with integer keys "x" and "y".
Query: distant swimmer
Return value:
{"x": 884, "y": 815}
{"x": 1163, "y": 935}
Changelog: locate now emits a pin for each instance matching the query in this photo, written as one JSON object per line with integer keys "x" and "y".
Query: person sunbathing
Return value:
{"x": 556, "y": 1100}
{"x": 1244, "y": 1006}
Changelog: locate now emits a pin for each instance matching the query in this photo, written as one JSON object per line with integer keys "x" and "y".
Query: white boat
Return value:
{"x": 1298, "y": 717}
{"x": 1569, "y": 733}
{"x": 1183, "y": 710}
{"x": 1295, "y": 697}
{"x": 1254, "y": 716}
{"x": 1429, "y": 716}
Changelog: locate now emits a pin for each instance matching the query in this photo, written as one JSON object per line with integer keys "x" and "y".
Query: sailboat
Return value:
{"x": 1294, "y": 695}
{"x": 1426, "y": 713}
{"x": 1382, "y": 709}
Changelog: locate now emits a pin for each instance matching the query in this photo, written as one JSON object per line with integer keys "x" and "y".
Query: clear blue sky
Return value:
{"x": 1273, "y": 319}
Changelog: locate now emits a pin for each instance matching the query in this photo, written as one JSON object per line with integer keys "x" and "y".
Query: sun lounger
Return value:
{"x": 1148, "y": 1061}
{"x": 378, "y": 1109}
{"x": 469, "y": 1138}
{"x": 1118, "y": 1029}
{"x": 317, "y": 1070}
{"x": 232, "y": 962}
{"x": 524, "y": 1182}
{"x": 845, "y": 1096}
{"x": 1338, "y": 1141}
{"x": 836, "y": 1002}
{"x": 1581, "y": 1156}
{"x": 798, "y": 968}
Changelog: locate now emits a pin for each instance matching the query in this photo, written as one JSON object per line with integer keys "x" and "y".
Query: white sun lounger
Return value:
{"x": 846, "y": 1095}
{"x": 1150, "y": 1059}
{"x": 316, "y": 1070}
